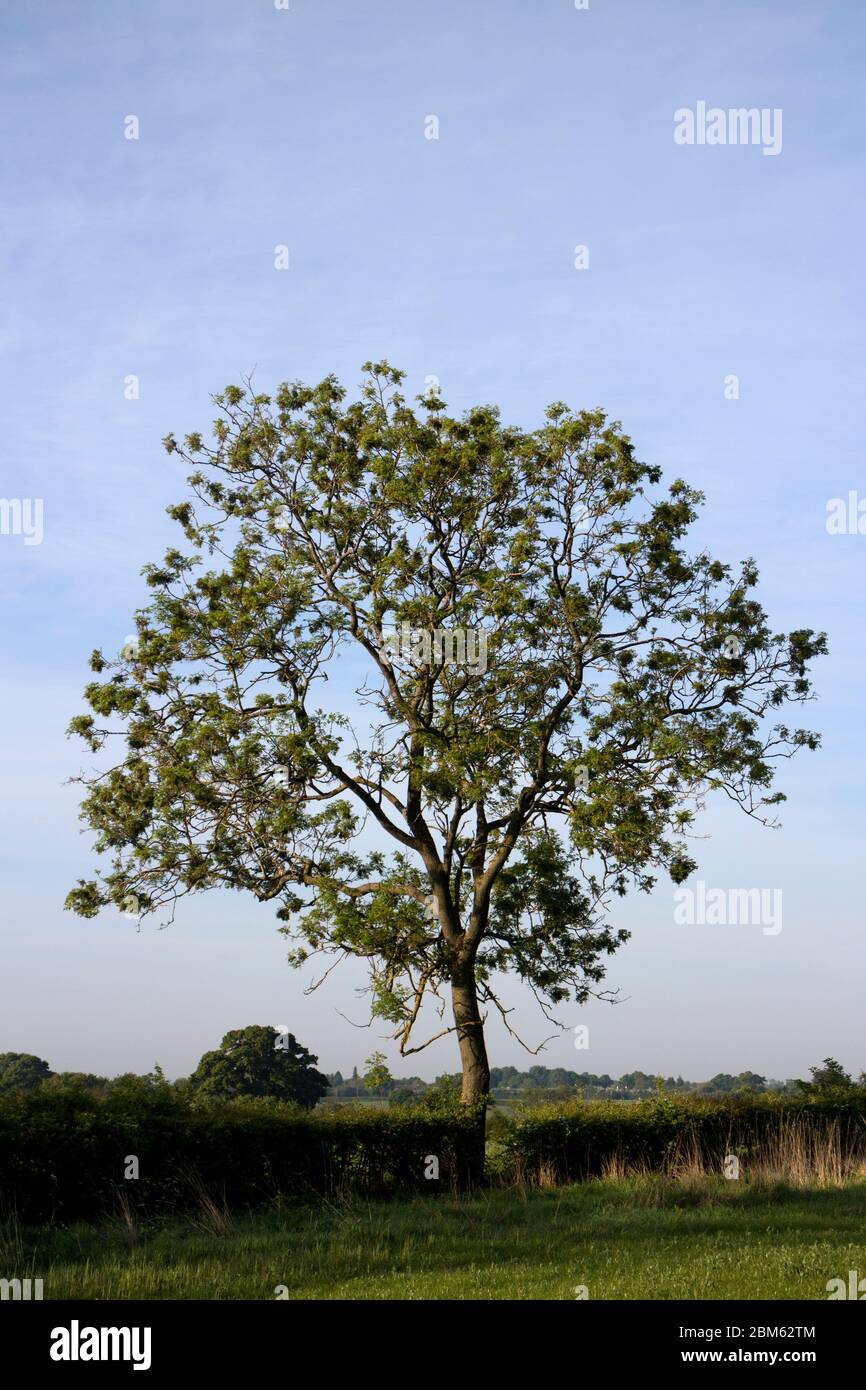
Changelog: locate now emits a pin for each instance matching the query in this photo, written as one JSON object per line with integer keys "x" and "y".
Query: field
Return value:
{"x": 649, "y": 1237}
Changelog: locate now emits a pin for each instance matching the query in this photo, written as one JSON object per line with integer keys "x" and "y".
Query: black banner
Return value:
{"x": 154, "y": 1338}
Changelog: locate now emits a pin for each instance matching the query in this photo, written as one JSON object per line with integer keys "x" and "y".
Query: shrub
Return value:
{"x": 565, "y": 1143}
{"x": 63, "y": 1152}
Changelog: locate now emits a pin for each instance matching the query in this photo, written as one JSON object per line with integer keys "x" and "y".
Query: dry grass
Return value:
{"x": 11, "y": 1240}
{"x": 125, "y": 1216}
{"x": 797, "y": 1154}
{"x": 212, "y": 1217}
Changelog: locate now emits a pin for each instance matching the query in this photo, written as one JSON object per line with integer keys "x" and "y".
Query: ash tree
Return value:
{"x": 497, "y": 786}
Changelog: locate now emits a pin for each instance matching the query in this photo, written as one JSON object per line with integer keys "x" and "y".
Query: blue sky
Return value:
{"x": 452, "y": 257}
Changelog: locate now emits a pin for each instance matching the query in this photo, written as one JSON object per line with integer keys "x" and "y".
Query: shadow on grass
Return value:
{"x": 642, "y": 1234}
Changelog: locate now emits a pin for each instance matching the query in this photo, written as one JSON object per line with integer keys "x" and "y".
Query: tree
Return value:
{"x": 637, "y": 1081}
{"x": 750, "y": 1081}
{"x": 551, "y": 688}
{"x": 377, "y": 1074}
{"x": 722, "y": 1082}
{"x": 829, "y": 1079}
{"x": 22, "y": 1071}
{"x": 76, "y": 1080}
{"x": 259, "y": 1061}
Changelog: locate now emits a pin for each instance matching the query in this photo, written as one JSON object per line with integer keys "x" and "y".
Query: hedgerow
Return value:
{"x": 576, "y": 1140}
{"x": 63, "y": 1154}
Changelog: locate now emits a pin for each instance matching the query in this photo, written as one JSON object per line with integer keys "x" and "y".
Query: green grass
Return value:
{"x": 652, "y": 1238}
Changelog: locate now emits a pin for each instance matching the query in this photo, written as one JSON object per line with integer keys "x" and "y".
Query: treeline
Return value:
{"x": 632, "y": 1085}
{"x": 558, "y": 1083}
{"x": 261, "y": 1062}
{"x": 257, "y": 1062}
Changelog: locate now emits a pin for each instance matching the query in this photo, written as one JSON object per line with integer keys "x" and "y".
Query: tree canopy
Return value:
{"x": 828, "y": 1079}
{"x": 260, "y": 1061}
{"x": 548, "y": 686}
{"x": 22, "y": 1071}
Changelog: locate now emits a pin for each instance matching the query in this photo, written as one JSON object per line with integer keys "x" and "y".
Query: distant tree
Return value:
{"x": 134, "y": 1084}
{"x": 259, "y": 1061}
{"x": 559, "y": 1076}
{"x": 377, "y": 1076}
{"x": 22, "y": 1071}
{"x": 722, "y": 1083}
{"x": 750, "y": 1081}
{"x": 443, "y": 1093}
{"x": 827, "y": 1080}
{"x": 78, "y": 1080}
{"x": 636, "y": 1081}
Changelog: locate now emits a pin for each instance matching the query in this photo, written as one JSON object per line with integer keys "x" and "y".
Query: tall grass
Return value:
{"x": 796, "y": 1152}
{"x": 806, "y": 1144}
{"x": 643, "y": 1237}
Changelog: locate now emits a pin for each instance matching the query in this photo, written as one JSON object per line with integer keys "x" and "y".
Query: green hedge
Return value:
{"x": 576, "y": 1140}
{"x": 62, "y": 1154}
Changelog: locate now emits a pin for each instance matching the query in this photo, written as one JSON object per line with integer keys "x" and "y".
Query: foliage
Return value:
{"x": 377, "y": 1076}
{"x": 63, "y": 1152}
{"x": 829, "y": 1079}
{"x": 576, "y": 1140}
{"x": 519, "y": 795}
{"x": 260, "y": 1061}
{"x": 443, "y": 1095}
{"x": 76, "y": 1080}
{"x": 22, "y": 1071}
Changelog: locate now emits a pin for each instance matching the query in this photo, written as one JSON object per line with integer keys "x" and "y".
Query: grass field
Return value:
{"x": 641, "y": 1238}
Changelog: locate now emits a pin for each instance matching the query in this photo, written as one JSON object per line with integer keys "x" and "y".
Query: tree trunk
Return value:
{"x": 473, "y": 1056}
{"x": 470, "y": 1035}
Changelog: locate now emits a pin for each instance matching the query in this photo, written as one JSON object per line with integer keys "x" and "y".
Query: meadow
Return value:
{"x": 644, "y": 1237}
{"x": 755, "y": 1198}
